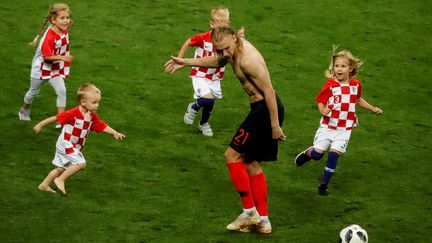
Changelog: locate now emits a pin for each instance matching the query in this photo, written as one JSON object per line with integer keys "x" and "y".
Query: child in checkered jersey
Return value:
{"x": 51, "y": 60}
{"x": 77, "y": 124}
{"x": 206, "y": 82}
{"x": 337, "y": 101}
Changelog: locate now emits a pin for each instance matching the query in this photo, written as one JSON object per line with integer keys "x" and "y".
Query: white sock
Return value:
{"x": 264, "y": 219}
{"x": 249, "y": 210}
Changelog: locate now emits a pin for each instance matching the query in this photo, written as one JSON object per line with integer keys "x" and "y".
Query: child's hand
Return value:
{"x": 67, "y": 58}
{"x": 326, "y": 111}
{"x": 241, "y": 32}
{"x": 119, "y": 136}
{"x": 37, "y": 128}
{"x": 377, "y": 110}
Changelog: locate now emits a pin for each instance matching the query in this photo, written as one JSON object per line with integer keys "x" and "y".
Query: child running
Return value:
{"x": 52, "y": 59}
{"x": 206, "y": 82}
{"x": 77, "y": 124}
{"x": 337, "y": 101}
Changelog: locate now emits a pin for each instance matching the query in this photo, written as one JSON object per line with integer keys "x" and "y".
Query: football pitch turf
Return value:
{"x": 166, "y": 182}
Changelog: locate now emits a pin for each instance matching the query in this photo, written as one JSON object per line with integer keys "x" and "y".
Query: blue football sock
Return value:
{"x": 207, "y": 105}
{"x": 195, "y": 106}
{"x": 315, "y": 155}
{"x": 330, "y": 167}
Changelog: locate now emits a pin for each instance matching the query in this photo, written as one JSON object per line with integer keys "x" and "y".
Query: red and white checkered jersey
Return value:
{"x": 204, "y": 48}
{"x": 76, "y": 129}
{"x": 51, "y": 44}
{"x": 341, "y": 99}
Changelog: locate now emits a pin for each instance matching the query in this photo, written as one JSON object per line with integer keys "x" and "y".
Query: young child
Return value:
{"x": 205, "y": 81}
{"x": 52, "y": 59}
{"x": 337, "y": 101}
{"x": 77, "y": 124}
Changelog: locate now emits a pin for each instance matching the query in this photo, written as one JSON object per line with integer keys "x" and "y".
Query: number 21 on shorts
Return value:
{"x": 241, "y": 136}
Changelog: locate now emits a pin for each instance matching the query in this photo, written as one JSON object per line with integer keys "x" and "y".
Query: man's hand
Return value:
{"x": 174, "y": 64}
{"x": 278, "y": 134}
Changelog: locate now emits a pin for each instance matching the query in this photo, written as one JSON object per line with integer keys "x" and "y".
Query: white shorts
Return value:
{"x": 335, "y": 139}
{"x": 203, "y": 86}
{"x": 63, "y": 160}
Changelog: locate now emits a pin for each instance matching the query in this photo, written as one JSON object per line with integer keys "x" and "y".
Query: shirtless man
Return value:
{"x": 256, "y": 139}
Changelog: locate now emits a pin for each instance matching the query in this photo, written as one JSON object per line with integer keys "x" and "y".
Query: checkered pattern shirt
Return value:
{"x": 76, "y": 129}
{"x": 204, "y": 48}
{"x": 51, "y": 44}
{"x": 341, "y": 99}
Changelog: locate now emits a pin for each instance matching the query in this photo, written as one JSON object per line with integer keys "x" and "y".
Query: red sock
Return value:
{"x": 241, "y": 181}
{"x": 259, "y": 192}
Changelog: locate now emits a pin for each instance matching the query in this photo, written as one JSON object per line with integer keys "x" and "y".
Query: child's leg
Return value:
{"x": 315, "y": 154}
{"x": 330, "y": 168}
{"x": 71, "y": 170}
{"x": 207, "y": 104}
{"x": 60, "y": 89}
{"x": 35, "y": 86}
{"x": 307, "y": 155}
{"x": 45, "y": 184}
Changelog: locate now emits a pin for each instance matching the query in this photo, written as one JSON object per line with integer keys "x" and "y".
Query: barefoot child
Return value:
{"x": 77, "y": 124}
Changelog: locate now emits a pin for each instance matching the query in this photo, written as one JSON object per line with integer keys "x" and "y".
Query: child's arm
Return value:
{"x": 43, "y": 123}
{"x": 363, "y": 103}
{"x": 184, "y": 48}
{"x": 323, "y": 109}
{"x": 116, "y": 135}
{"x": 58, "y": 58}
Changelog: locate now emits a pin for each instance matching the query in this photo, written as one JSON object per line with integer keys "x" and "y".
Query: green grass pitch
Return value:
{"x": 166, "y": 182}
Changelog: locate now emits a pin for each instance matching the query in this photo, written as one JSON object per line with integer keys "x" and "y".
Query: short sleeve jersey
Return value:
{"x": 51, "y": 44}
{"x": 204, "y": 47}
{"x": 341, "y": 99}
{"x": 76, "y": 129}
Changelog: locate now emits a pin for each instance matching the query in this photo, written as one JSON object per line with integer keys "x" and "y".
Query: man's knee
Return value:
{"x": 254, "y": 168}
{"x": 231, "y": 155}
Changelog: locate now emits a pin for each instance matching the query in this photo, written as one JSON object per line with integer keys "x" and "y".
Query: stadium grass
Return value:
{"x": 166, "y": 182}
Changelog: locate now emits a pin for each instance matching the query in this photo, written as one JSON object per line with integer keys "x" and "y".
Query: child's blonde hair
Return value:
{"x": 52, "y": 12}
{"x": 219, "y": 13}
{"x": 85, "y": 90}
{"x": 353, "y": 62}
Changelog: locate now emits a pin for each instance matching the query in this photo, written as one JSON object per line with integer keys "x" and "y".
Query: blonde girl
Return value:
{"x": 51, "y": 60}
{"x": 337, "y": 101}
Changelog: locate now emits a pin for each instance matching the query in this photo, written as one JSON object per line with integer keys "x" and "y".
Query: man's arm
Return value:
{"x": 176, "y": 63}
{"x": 261, "y": 78}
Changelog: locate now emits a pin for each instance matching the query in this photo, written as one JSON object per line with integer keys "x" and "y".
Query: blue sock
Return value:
{"x": 330, "y": 167}
{"x": 195, "y": 106}
{"x": 207, "y": 105}
{"x": 315, "y": 155}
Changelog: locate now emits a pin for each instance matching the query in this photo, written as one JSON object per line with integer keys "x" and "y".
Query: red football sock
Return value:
{"x": 241, "y": 181}
{"x": 259, "y": 192}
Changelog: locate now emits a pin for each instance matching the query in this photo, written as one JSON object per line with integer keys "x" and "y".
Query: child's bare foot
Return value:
{"x": 46, "y": 188}
{"x": 60, "y": 185}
